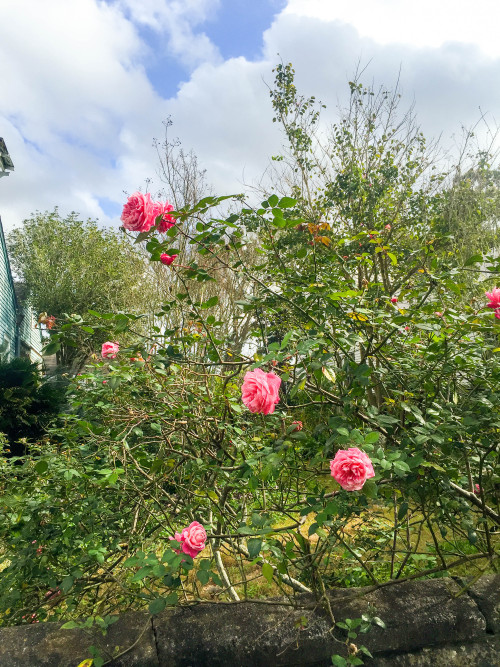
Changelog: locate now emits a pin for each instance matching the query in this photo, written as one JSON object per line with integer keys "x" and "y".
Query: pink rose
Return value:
{"x": 139, "y": 213}
{"x": 260, "y": 391}
{"x": 388, "y": 227}
{"x": 494, "y": 297}
{"x": 351, "y": 468}
{"x": 167, "y": 220}
{"x": 394, "y": 299}
{"x": 192, "y": 539}
{"x": 109, "y": 350}
{"x": 167, "y": 259}
{"x": 298, "y": 425}
{"x": 477, "y": 489}
{"x": 497, "y": 313}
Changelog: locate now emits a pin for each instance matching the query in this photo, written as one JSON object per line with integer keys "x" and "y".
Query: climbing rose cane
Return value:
{"x": 192, "y": 539}
{"x": 260, "y": 391}
{"x": 109, "y": 350}
{"x": 351, "y": 468}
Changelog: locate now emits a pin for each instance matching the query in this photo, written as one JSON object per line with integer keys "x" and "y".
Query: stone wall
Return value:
{"x": 428, "y": 623}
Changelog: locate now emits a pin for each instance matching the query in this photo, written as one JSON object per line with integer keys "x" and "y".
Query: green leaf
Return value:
{"x": 312, "y": 529}
{"x": 157, "y": 605}
{"x": 285, "y": 340}
{"x": 370, "y": 489}
{"x": 41, "y": 467}
{"x": 285, "y": 202}
{"x": 204, "y": 564}
{"x": 213, "y": 301}
{"x": 203, "y": 576}
{"x": 372, "y": 437}
{"x": 273, "y": 200}
{"x": 114, "y": 381}
{"x": 254, "y": 546}
{"x": 267, "y": 571}
{"x": 51, "y": 348}
{"x": 172, "y": 598}
{"x": 67, "y": 583}
{"x": 402, "y": 511}
{"x": 70, "y": 625}
{"x": 474, "y": 259}
{"x": 339, "y": 661}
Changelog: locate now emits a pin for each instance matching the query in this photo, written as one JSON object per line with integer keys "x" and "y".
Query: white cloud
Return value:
{"x": 449, "y": 84}
{"x": 427, "y": 23}
{"x": 71, "y": 84}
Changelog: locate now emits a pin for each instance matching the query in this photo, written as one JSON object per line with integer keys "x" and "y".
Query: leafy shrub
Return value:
{"x": 27, "y": 402}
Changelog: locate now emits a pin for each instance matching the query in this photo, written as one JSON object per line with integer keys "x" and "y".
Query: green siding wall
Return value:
{"x": 17, "y": 323}
{"x": 8, "y": 310}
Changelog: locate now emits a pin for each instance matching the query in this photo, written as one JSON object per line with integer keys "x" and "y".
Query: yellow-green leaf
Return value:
{"x": 267, "y": 571}
{"x": 330, "y": 375}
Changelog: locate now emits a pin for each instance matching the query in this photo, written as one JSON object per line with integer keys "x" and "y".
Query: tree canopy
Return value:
{"x": 70, "y": 265}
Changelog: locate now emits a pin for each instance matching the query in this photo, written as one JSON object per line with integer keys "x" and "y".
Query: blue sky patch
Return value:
{"x": 110, "y": 208}
{"x": 237, "y": 26}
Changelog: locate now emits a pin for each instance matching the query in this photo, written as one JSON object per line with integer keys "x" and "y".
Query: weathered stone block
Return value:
{"x": 46, "y": 645}
{"x": 486, "y": 594}
{"x": 484, "y": 653}
{"x": 416, "y": 614}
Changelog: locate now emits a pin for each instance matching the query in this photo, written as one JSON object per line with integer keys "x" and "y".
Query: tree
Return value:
{"x": 70, "y": 266}
{"x": 184, "y": 184}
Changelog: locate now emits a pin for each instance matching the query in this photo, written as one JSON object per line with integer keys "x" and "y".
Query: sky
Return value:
{"x": 86, "y": 85}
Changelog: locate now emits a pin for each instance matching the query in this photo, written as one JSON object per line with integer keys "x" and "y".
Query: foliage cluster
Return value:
{"x": 28, "y": 404}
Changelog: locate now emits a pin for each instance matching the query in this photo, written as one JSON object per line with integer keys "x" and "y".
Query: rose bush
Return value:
{"x": 203, "y": 432}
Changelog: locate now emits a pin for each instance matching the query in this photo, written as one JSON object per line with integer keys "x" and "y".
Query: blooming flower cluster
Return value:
{"x": 141, "y": 212}
{"x": 167, "y": 259}
{"x": 109, "y": 350}
{"x": 351, "y": 468}
{"x": 48, "y": 320}
{"x": 494, "y": 297}
{"x": 260, "y": 391}
{"x": 191, "y": 539}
